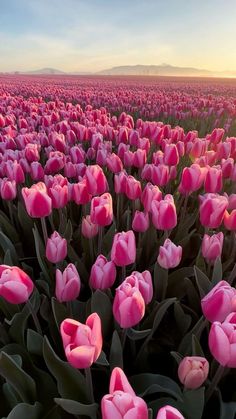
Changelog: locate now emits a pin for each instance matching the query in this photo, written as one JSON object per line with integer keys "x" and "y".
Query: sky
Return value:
{"x": 92, "y": 35}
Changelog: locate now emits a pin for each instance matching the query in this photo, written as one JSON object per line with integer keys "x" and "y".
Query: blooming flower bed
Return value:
{"x": 117, "y": 248}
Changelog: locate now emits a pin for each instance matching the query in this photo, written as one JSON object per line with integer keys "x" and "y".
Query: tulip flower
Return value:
{"x": 164, "y": 215}
{"x": 140, "y": 221}
{"x": 38, "y": 203}
{"x": 103, "y": 273}
{"x": 95, "y": 180}
{"x": 219, "y": 302}
{"x": 169, "y": 255}
{"x": 122, "y": 401}
{"x": 169, "y": 412}
{"x": 193, "y": 371}
{"x": 101, "y": 212}
{"x": 89, "y": 229}
{"x": 212, "y": 209}
{"x": 15, "y": 285}
{"x": 67, "y": 284}
{"x": 128, "y": 305}
{"x": 212, "y": 246}
{"x": 123, "y": 250}
{"x": 8, "y": 189}
{"x": 82, "y": 342}
{"x": 143, "y": 281}
{"x": 56, "y": 248}
{"x": 222, "y": 339}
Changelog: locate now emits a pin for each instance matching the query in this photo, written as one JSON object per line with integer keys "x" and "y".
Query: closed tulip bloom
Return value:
{"x": 171, "y": 155}
{"x": 80, "y": 193}
{"x": 114, "y": 163}
{"x": 169, "y": 255}
{"x": 230, "y": 220}
{"x": 122, "y": 405}
{"x": 8, "y": 189}
{"x": 120, "y": 182}
{"x": 213, "y": 180}
{"x": 212, "y": 246}
{"x": 128, "y": 305}
{"x": 15, "y": 172}
{"x": 56, "y": 248}
{"x": 140, "y": 158}
{"x": 101, "y": 210}
{"x": 89, "y": 229}
{"x": 160, "y": 175}
{"x": 36, "y": 171}
{"x": 37, "y": 201}
{"x": 193, "y": 371}
{"x": 169, "y": 412}
{"x": 133, "y": 188}
{"x": 143, "y": 281}
{"x": 212, "y": 209}
{"x": 59, "y": 195}
{"x": 67, "y": 284}
{"x": 96, "y": 180}
{"x": 15, "y": 285}
{"x": 123, "y": 250}
{"x": 164, "y": 216}
{"x": 221, "y": 341}
{"x": 140, "y": 221}
{"x": 82, "y": 342}
{"x": 192, "y": 179}
{"x": 219, "y": 302}
{"x": 103, "y": 273}
{"x": 150, "y": 193}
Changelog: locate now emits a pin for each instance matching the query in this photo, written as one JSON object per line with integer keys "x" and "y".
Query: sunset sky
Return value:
{"x": 91, "y": 35}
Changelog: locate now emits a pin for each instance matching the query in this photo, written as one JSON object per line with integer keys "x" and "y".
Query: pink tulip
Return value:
{"x": 212, "y": 246}
{"x": 128, "y": 305}
{"x": 193, "y": 371}
{"x": 8, "y": 189}
{"x": 133, "y": 188}
{"x": 164, "y": 215}
{"x": 96, "y": 180}
{"x": 56, "y": 248}
{"x": 192, "y": 179}
{"x": 219, "y": 302}
{"x": 150, "y": 193}
{"x": 122, "y": 401}
{"x": 80, "y": 193}
{"x": 120, "y": 182}
{"x": 222, "y": 339}
{"x": 169, "y": 412}
{"x": 36, "y": 171}
{"x": 89, "y": 229}
{"x": 59, "y": 195}
{"x": 160, "y": 175}
{"x": 38, "y": 203}
{"x": 212, "y": 209}
{"x": 114, "y": 163}
{"x": 103, "y": 273}
{"x": 82, "y": 342}
{"x": 171, "y": 155}
{"x": 123, "y": 250}
{"x": 140, "y": 221}
{"x": 169, "y": 255}
{"x": 143, "y": 281}
{"x": 67, "y": 284}
{"x": 230, "y": 220}
{"x": 101, "y": 212}
{"x": 213, "y": 180}
{"x": 15, "y": 285}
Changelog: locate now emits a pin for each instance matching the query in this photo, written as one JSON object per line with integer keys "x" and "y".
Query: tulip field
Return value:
{"x": 117, "y": 247}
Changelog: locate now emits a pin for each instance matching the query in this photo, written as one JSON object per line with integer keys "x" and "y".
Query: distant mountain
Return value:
{"x": 155, "y": 70}
{"x": 45, "y": 71}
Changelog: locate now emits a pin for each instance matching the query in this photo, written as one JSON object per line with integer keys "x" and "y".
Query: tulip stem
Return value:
{"x": 183, "y": 212}
{"x": 217, "y": 377}
{"x": 123, "y": 273}
{"x": 89, "y": 383}
{"x": 100, "y": 237}
{"x": 34, "y": 316}
{"x": 44, "y": 228}
{"x": 10, "y": 205}
{"x": 123, "y": 338}
{"x": 70, "y": 309}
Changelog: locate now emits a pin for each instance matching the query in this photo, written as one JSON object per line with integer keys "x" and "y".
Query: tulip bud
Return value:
{"x": 193, "y": 371}
{"x": 219, "y": 302}
{"x": 15, "y": 285}
{"x": 101, "y": 212}
{"x": 212, "y": 210}
{"x": 221, "y": 341}
{"x": 169, "y": 412}
{"x": 140, "y": 221}
{"x": 123, "y": 250}
{"x": 89, "y": 230}
{"x": 169, "y": 255}
{"x": 103, "y": 273}
{"x": 38, "y": 203}
{"x": 56, "y": 248}
{"x": 8, "y": 189}
{"x": 164, "y": 215}
{"x": 128, "y": 305}
{"x": 67, "y": 284}
{"x": 212, "y": 246}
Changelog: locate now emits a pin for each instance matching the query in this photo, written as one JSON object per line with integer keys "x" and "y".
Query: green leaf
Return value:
{"x": 203, "y": 283}
{"x": 70, "y": 382}
{"x": 40, "y": 251}
{"x": 7, "y": 245}
{"x": 24, "y": 410}
{"x": 76, "y": 408}
{"x": 182, "y": 319}
{"x": 101, "y": 304}
{"x": 145, "y": 384}
{"x": 227, "y": 410}
{"x": 59, "y": 312}
{"x": 116, "y": 352}
{"x": 193, "y": 403}
{"x": 7, "y": 228}
{"x": 19, "y": 379}
{"x": 102, "y": 360}
{"x": 217, "y": 272}
{"x": 160, "y": 281}
{"x": 137, "y": 334}
{"x": 34, "y": 342}
{"x": 108, "y": 238}
{"x": 196, "y": 347}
